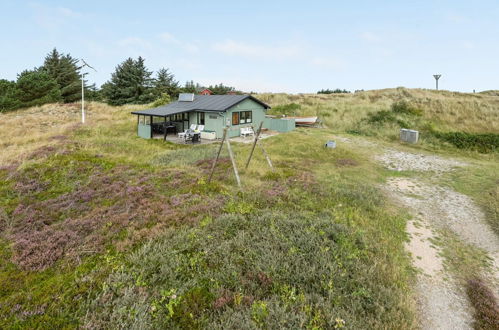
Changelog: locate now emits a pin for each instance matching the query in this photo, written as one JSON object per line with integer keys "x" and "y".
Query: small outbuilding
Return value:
{"x": 212, "y": 112}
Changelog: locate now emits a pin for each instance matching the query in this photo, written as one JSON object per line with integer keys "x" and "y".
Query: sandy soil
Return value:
{"x": 442, "y": 303}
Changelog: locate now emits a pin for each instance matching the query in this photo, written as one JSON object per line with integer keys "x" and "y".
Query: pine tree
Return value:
{"x": 165, "y": 83}
{"x": 65, "y": 71}
{"x": 189, "y": 87}
{"x": 36, "y": 87}
{"x": 221, "y": 89}
{"x": 130, "y": 83}
{"x": 8, "y": 96}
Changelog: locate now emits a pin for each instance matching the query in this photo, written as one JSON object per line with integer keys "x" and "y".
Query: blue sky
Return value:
{"x": 279, "y": 46}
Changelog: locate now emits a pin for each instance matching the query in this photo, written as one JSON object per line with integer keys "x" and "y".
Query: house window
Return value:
{"x": 200, "y": 118}
{"x": 245, "y": 117}
{"x": 235, "y": 118}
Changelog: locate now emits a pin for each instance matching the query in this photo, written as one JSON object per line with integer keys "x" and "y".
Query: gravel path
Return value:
{"x": 404, "y": 161}
{"x": 442, "y": 303}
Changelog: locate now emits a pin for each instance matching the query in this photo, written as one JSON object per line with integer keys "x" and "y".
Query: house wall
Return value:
{"x": 258, "y": 115}
{"x": 282, "y": 125}
{"x": 144, "y": 131}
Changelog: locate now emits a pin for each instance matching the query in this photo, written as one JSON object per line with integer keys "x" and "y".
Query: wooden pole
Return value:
{"x": 218, "y": 155}
{"x": 164, "y": 127}
{"x": 150, "y": 122}
{"x": 254, "y": 144}
{"x": 234, "y": 164}
{"x": 267, "y": 157}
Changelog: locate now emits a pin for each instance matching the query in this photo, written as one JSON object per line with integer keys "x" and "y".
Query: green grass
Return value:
{"x": 149, "y": 243}
{"x": 336, "y": 227}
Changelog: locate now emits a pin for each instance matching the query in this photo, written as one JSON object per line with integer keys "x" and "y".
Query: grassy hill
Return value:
{"x": 102, "y": 229}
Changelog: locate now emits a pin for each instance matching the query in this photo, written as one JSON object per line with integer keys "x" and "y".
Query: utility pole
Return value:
{"x": 82, "y": 100}
{"x": 437, "y": 76}
{"x": 85, "y": 64}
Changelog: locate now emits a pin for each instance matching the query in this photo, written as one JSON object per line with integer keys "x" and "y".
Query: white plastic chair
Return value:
{"x": 247, "y": 131}
{"x": 200, "y": 128}
{"x": 181, "y": 135}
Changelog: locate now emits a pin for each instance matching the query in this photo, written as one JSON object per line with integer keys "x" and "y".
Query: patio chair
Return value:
{"x": 200, "y": 128}
{"x": 247, "y": 131}
{"x": 181, "y": 135}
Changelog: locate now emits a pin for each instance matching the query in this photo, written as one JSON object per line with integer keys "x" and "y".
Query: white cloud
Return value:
{"x": 235, "y": 48}
{"x": 52, "y": 17}
{"x": 370, "y": 37}
{"x": 167, "y": 37}
{"x": 135, "y": 42}
{"x": 467, "y": 44}
{"x": 327, "y": 62}
{"x": 456, "y": 18}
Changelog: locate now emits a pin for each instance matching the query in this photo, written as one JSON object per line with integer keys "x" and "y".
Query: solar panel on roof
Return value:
{"x": 186, "y": 97}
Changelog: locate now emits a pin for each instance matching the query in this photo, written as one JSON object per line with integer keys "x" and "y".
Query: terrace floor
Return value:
{"x": 175, "y": 139}
{"x": 249, "y": 139}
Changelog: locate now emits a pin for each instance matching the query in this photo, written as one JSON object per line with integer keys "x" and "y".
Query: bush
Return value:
{"x": 162, "y": 100}
{"x": 381, "y": 117}
{"x": 286, "y": 109}
{"x": 484, "y": 303}
{"x": 403, "y": 107}
{"x": 484, "y": 143}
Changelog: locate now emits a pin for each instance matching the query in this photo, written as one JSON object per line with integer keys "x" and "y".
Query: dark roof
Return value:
{"x": 215, "y": 103}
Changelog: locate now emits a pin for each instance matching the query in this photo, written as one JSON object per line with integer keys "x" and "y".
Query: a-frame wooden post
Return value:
{"x": 218, "y": 155}
{"x": 231, "y": 154}
{"x": 234, "y": 166}
{"x": 254, "y": 144}
{"x": 263, "y": 150}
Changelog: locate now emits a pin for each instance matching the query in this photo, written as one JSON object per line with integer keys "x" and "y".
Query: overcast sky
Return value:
{"x": 279, "y": 46}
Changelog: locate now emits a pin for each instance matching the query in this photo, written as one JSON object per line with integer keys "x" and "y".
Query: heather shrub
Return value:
{"x": 283, "y": 270}
{"x": 189, "y": 156}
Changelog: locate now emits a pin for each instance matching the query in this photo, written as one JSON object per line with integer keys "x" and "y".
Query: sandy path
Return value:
{"x": 442, "y": 303}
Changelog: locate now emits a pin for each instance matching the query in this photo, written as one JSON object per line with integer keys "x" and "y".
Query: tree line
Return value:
{"x": 59, "y": 80}
{"x": 333, "y": 91}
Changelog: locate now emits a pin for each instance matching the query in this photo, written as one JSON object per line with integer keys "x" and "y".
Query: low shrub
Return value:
{"x": 264, "y": 268}
{"x": 285, "y": 109}
{"x": 381, "y": 117}
{"x": 404, "y": 107}
{"x": 162, "y": 100}
{"x": 189, "y": 156}
{"x": 484, "y": 303}
{"x": 484, "y": 143}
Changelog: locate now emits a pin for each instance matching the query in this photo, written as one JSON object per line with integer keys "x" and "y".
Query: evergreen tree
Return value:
{"x": 8, "y": 96}
{"x": 36, "y": 87}
{"x": 65, "y": 71}
{"x": 130, "y": 83}
{"x": 189, "y": 87}
{"x": 165, "y": 83}
{"x": 221, "y": 89}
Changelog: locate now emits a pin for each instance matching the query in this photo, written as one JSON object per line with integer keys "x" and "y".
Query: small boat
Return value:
{"x": 305, "y": 120}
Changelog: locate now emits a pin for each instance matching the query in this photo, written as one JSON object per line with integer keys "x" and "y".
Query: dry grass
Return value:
{"x": 23, "y": 131}
{"x": 449, "y": 111}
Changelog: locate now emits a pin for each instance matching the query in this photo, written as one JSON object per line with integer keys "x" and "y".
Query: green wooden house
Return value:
{"x": 214, "y": 112}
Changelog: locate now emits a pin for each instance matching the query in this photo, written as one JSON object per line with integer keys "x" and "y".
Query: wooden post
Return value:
{"x": 164, "y": 127}
{"x": 150, "y": 122}
{"x": 218, "y": 155}
{"x": 234, "y": 164}
{"x": 267, "y": 157}
{"x": 254, "y": 144}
